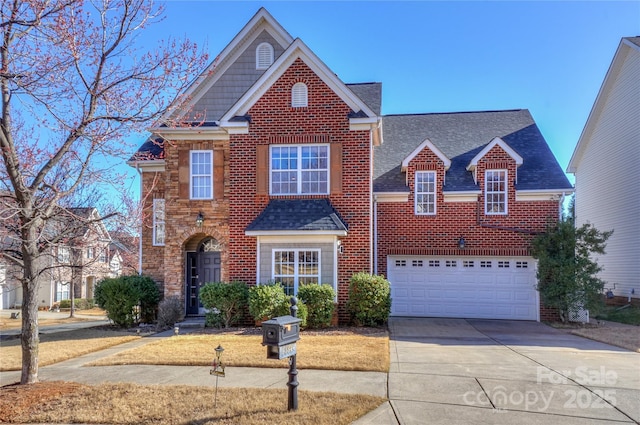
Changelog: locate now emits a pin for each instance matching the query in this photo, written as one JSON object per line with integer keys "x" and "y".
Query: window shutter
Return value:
{"x": 262, "y": 170}
{"x": 336, "y": 168}
{"x": 218, "y": 174}
{"x": 183, "y": 174}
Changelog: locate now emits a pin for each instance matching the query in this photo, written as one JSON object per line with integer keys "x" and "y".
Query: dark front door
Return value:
{"x": 202, "y": 267}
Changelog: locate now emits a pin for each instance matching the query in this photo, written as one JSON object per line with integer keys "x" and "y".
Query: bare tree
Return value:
{"x": 74, "y": 83}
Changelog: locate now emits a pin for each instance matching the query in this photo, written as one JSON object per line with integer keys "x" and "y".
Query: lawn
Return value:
{"x": 628, "y": 314}
{"x": 344, "y": 351}
{"x": 60, "y": 346}
{"x": 63, "y": 402}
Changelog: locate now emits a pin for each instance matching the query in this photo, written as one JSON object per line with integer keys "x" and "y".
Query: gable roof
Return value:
{"x": 297, "y": 215}
{"x": 260, "y": 23}
{"x": 628, "y": 46}
{"x": 426, "y": 144}
{"x": 495, "y": 142}
{"x": 460, "y": 136}
{"x": 297, "y": 50}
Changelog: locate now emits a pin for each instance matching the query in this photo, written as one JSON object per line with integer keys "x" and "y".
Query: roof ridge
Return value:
{"x": 454, "y": 112}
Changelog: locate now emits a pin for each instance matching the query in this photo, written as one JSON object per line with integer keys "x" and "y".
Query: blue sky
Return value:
{"x": 546, "y": 56}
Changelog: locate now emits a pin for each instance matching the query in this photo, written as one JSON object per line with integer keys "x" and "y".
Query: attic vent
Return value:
{"x": 264, "y": 56}
{"x": 299, "y": 97}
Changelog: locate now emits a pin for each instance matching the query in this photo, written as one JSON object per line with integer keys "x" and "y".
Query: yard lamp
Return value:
{"x": 461, "y": 242}
{"x": 200, "y": 219}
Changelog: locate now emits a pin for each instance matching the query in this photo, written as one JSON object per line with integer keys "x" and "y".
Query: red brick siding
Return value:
{"x": 273, "y": 119}
{"x": 402, "y": 232}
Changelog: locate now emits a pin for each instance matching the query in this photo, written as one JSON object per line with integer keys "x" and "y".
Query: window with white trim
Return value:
{"x": 264, "y": 55}
{"x": 295, "y": 267}
{"x": 62, "y": 291}
{"x": 495, "y": 192}
{"x": 299, "y": 95}
{"x": 90, "y": 252}
{"x": 158, "y": 222}
{"x": 64, "y": 255}
{"x": 297, "y": 170}
{"x": 425, "y": 199}
{"x": 201, "y": 174}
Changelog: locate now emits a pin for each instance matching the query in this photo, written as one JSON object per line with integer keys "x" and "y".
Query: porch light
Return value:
{"x": 200, "y": 219}
{"x": 461, "y": 243}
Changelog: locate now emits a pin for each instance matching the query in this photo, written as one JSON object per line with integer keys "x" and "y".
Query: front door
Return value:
{"x": 202, "y": 267}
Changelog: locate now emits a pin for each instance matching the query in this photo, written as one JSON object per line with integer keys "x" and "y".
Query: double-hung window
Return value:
{"x": 201, "y": 176}
{"x": 64, "y": 255}
{"x": 298, "y": 170}
{"x": 295, "y": 267}
{"x": 62, "y": 291}
{"x": 495, "y": 192}
{"x": 158, "y": 222}
{"x": 425, "y": 190}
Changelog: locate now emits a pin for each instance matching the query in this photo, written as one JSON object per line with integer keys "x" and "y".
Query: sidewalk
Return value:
{"x": 374, "y": 383}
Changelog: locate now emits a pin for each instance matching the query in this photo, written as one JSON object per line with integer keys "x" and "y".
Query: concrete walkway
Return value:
{"x": 443, "y": 371}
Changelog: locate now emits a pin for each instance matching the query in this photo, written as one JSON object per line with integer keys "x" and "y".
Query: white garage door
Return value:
{"x": 471, "y": 287}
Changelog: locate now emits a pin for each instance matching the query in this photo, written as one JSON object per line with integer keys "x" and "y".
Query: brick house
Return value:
{"x": 273, "y": 169}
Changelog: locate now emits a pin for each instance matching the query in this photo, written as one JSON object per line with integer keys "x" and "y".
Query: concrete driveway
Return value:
{"x": 457, "y": 371}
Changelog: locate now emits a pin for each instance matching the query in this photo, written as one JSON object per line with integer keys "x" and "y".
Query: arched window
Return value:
{"x": 264, "y": 56}
{"x": 299, "y": 95}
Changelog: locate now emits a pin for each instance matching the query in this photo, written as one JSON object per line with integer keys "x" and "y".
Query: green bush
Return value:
{"x": 170, "y": 311}
{"x": 79, "y": 303}
{"x": 369, "y": 299}
{"x": 226, "y": 302}
{"x": 266, "y": 301}
{"x": 118, "y": 298}
{"x": 127, "y": 299}
{"x": 319, "y": 301}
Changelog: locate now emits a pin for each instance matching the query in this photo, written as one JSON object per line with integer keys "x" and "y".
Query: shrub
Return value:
{"x": 266, "y": 301}
{"x": 170, "y": 311}
{"x": 226, "y": 302}
{"x": 369, "y": 299}
{"x": 319, "y": 301}
{"x": 79, "y": 303}
{"x": 126, "y": 299}
{"x": 149, "y": 296}
{"x": 118, "y": 298}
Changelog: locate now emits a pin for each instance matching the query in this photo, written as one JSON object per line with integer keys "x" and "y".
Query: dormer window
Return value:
{"x": 264, "y": 56}
{"x": 299, "y": 95}
{"x": 495, "y": 192}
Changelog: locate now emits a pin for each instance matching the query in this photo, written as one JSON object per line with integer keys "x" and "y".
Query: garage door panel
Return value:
{"x": 491, "y": 288}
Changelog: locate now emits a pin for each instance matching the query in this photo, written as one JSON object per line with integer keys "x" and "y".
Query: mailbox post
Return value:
{"x": 279, "y": 335}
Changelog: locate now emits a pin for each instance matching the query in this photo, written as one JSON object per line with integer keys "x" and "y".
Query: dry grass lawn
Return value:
{"x": 62, "y": 346}
{"x": 137, "y": 404}
{"x": 338, "y": 352}
{"x": 625, "y": 337}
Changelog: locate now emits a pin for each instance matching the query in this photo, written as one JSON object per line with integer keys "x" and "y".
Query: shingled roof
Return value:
{"x": 298, "y": 215}
{"x": 460, "y": 136}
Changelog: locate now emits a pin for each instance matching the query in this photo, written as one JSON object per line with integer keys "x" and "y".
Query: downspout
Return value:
{"x": 372, "y": 209}
{"x": 375, "y": 235}
{"x": 141, "y": 226}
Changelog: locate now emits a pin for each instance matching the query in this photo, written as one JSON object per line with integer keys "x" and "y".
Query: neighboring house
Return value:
{"x": 605, "y": 164}
{"x": 273, "y": 169}
{"x": 79, "y": 256}
{"x": 123, "y": 254}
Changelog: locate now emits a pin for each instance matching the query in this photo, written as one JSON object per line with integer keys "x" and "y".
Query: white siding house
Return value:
{"x": 606, "y": 167}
